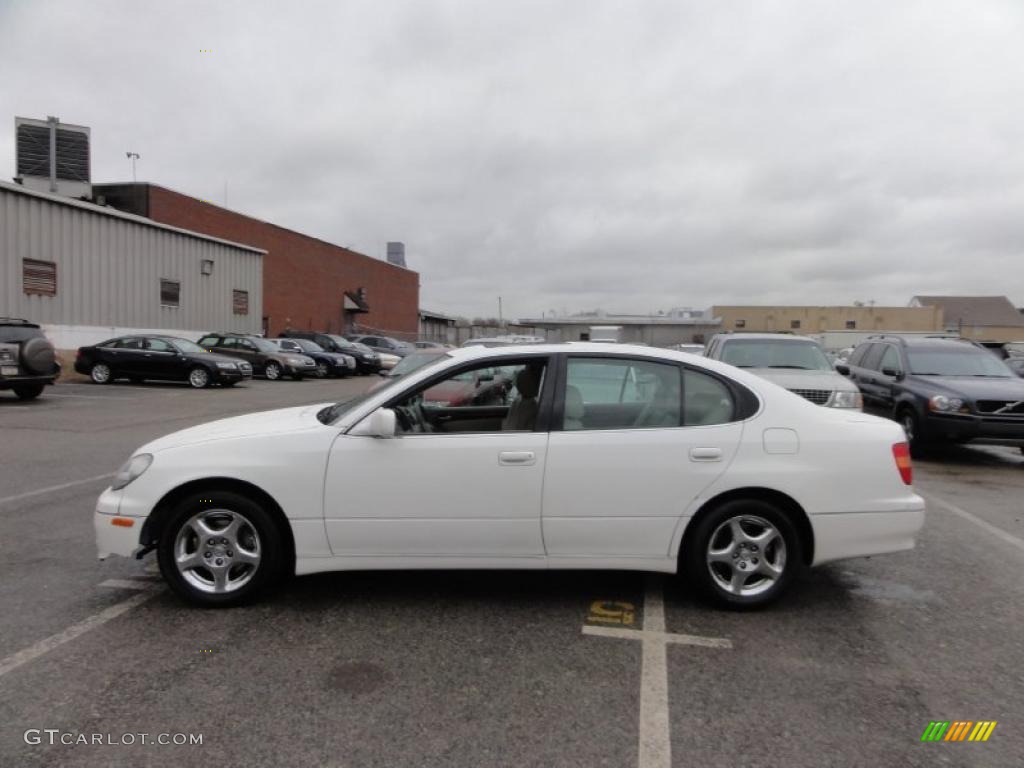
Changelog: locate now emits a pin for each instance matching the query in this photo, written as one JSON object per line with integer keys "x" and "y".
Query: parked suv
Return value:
{"x": 27, "y": 360}
{"x": 794, "y": 362}
{"x": 264, "y": 357}
{"x": 940, "y": 390}
{"x": 366, "y": 362}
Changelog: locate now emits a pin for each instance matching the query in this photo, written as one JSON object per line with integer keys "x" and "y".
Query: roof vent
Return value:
{"x": 53, "y": 157}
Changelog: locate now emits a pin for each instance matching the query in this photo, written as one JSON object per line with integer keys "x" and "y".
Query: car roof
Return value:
{"x": 766, "y": 336}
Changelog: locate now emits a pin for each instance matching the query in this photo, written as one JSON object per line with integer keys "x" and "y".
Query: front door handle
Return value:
{"x": 522, "y": 458}
{"x": 705, "y": 454}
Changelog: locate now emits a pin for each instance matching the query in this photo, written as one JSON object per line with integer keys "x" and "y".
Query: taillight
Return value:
{"x": 901, "y": 453}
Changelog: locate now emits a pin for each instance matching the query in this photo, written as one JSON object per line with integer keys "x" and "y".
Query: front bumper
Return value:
{"x": 229, "y": 374}
{"x": 303, "y": 369}
{"x": 963, "y": 428}
{"x": 116, "y": 534}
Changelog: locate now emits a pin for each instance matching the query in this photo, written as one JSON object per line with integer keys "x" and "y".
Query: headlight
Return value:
{"x": 131, "y": 469}
{"x": 292, "y": 360}
{"x": 944, "y": 404}
{"x": 229, "y": 366}
{"x": 846, "y": 400}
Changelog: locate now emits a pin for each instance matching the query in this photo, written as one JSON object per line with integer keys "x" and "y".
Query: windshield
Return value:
{"x": 341, "y": 341}
{"x": 187, "y": 346}
{"x": 308, "y": 346}
{"x": 415, "y": 361}
{"x": 775, "y": 353}
{"x": 957, "y": 362}
{"x": 362, "y": 347}
{"x": 332, "y": 413}
{"x": 265, "y": 346}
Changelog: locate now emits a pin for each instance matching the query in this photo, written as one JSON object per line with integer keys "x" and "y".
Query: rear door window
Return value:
{"x": 873, "y": 357}
{"x": 610, "y": 393}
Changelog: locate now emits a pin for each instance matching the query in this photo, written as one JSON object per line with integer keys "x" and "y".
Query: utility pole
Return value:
{"x": 501, "y": 321}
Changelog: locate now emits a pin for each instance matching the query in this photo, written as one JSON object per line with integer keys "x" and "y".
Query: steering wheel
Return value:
{"x": 412, "y": 418}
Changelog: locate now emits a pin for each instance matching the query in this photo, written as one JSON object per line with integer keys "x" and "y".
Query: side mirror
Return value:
{"x": 843, "y": 370}
{"x": 381, "y": 423}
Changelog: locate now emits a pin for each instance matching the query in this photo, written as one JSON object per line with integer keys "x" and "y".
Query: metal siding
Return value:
{"x": 108, "y": 270}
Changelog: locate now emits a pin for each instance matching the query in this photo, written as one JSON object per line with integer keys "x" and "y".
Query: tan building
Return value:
{"x": 806, "y": 319}
{"x": 982, "y": 318}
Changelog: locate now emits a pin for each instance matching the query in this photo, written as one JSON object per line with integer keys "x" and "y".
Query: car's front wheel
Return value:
{"x": 272, "y": 371}
{"x": 219, "y": 549}
{"x": 199, "y": 377}
{"x": 743, "y": 554}
{"x": 322, "y": 370}
{"x": 912, "y": 426}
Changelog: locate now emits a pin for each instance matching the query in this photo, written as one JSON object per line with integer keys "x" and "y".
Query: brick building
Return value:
{"x": 307, "y": 283}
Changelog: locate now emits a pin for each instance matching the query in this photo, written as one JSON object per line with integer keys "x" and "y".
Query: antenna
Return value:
{"x": 132, "y": 157}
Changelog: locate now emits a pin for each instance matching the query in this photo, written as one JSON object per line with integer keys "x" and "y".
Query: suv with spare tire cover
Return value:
{"x": 27, "y": 359}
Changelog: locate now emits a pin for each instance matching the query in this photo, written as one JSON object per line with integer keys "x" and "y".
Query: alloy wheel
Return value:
{"x": 746, "y": 555}
{"x": 217, "y": 551}
{"x": 321, "y": 370}
{"x": 100, "y": 373}
{"x": 273, "y": 371}
{"x": 199, "y": 378}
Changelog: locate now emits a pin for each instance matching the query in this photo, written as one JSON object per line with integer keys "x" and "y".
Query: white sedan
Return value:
{"x": 594, "y": 456}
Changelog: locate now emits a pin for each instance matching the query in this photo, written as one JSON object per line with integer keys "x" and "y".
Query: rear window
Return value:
{"x": 15, "y": 333}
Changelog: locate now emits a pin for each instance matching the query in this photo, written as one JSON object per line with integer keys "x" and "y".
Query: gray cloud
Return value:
{"x": 577, "y": 154}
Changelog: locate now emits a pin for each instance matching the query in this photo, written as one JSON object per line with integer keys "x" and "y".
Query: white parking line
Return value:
{"x": 1009, "y": 538}
{"x": 52, "y": 488}
{"x": 128, "y": 584}
{"x": 46, "y": 645}
{"x": 655, "y": 746}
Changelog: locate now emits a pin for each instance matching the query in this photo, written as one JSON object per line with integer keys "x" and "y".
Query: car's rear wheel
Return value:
{"x": 199, "y": 377}
{"x": 100, "y": 373}
{"x": 743, "y": 554}
{"x": 272, "y": 371}
{"x": 28, "y": 391}
{"x": 219, "y": 549}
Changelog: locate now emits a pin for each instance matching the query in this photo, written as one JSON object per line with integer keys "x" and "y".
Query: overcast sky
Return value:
{"x": 632, "y": 156}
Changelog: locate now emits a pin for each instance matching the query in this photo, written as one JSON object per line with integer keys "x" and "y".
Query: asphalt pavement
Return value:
{"x": 487, "y": 668}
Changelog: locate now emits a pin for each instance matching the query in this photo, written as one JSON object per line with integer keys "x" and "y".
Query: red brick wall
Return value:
{"x": 304, "y": 279}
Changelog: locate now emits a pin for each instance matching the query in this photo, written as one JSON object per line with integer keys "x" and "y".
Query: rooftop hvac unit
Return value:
{"x": 53, "y": 156}
{"x": 396, "y": 254}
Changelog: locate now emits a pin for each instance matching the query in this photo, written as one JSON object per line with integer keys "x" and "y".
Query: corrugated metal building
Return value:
{"x": 88, "y": 272}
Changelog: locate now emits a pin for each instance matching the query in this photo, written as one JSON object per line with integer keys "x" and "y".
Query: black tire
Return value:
{"x": 272, "y": 371}
{"x": 101, "y": 373}
{"x": 199, "y": 377}
{"x": 708, "y": 577}
{"x": 28, "y": 391}
{"x": 912, "y": 427}
{"x": 257, "y": 520}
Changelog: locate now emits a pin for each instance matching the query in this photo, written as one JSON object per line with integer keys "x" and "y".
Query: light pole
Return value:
{"x": 132, "y": 157}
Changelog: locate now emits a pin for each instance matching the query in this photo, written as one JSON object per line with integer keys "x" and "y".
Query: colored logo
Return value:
{"x": 958, "y": 730}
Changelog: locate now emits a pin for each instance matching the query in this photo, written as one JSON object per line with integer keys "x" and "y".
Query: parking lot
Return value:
{"x": 489, "y": 668}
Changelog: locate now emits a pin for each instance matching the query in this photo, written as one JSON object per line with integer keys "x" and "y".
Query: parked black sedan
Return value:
{"x": 163, "y": 358}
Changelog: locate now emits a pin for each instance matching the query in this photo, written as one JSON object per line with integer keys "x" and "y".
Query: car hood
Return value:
{"x": 975, "y": 388}
{"x": 795, "y": 379}
{"x": 214, "y": 357}
{"x": 264, "y": 424}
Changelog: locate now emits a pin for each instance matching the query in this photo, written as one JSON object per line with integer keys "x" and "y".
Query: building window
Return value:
{"x": 170, "y": 293}
{"x": 240, "y": 302}
{"x": 39, "y": 277}
{"x": 741, "y": 323}
{"x": 794, "y": 324}
{"x": 584, "y": 336}
{"x": 206, "y": 267}
{"x": 851, "y": 325}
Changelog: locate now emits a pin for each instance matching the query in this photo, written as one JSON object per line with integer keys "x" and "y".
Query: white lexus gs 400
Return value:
{"x": 539, "y": 456}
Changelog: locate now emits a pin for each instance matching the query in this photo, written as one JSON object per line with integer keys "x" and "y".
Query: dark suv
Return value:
{"x": 940, "y": 390}
{"x": 366, "y": 362}
{"x": 27, "y": 360}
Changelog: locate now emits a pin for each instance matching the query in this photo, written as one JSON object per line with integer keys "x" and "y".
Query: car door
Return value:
{"x": 162, "y": 361}
{"x": 127, "y": 356}
{"x": 890, "y": 371}
{"x": 459, "y": 482}
{"x": 866, "y": 374}
{"x": 633, "y": 443}
{"x": 243, "y": 349}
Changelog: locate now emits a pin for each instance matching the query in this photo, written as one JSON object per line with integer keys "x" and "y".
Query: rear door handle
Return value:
{"x": 524, "y": 458}
{"x": 705, "y": 454}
